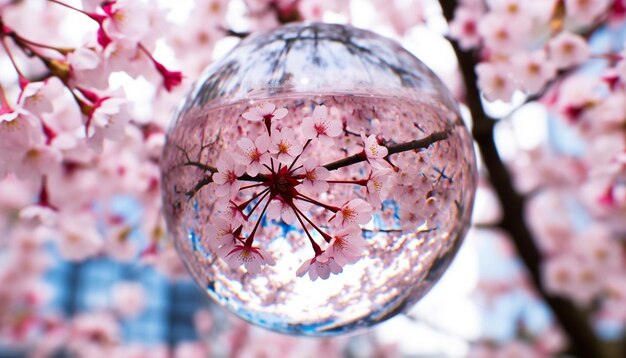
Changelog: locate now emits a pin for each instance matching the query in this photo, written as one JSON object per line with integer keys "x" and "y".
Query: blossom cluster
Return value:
{"x": 547, "y": 54}
{"x": 288, "y": 189}
{"x": 557, "y": 54}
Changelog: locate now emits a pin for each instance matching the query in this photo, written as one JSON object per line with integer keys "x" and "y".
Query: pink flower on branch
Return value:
{"x": 379, "y": 185}
{"x": 464, "y": 27}
{"x": 36, "y": 96}
{"x": 347, "y": 246}
{"x": 356, "y": 211}
{"x": 319, "y": 267}
{"x": 226, "y": 177}
{"x": 568, "y": 49}
{"x": 255, "y": 153}
{"x": 265, "y": 112}
{"x": 279, "y": 208}
{"x": 250, "y": 257}
{"x": 285, "y": 146}
{"x": 586, "y": 11}
{"x": 313, "y": 176}
{"x": 221, "y": 233}
{"x": 318, "y": 125}
{"x": 374, "y": 152}
{"x": 494, "y": 80}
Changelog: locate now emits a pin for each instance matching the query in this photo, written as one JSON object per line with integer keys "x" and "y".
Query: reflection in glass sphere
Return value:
{"x": 318, "y": 179}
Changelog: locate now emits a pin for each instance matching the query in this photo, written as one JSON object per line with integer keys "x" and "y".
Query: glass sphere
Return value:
{"x": 318, "y": 179}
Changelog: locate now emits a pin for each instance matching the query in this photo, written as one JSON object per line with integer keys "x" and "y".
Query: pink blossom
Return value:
{"x": 312, "y": 10}
{"x": 374, "y": 152}
{"x": 379, "y": 185}
{"x": 229, "y": 210}
{"x": 494, "y": 81}
{"x": 250, "y": 257}
{"x": 36, "y": 96}
{"x": 78, "y": 238}
{"x": 567, "y": 275}
{"x": 226, "y": 176}
{"x": 109, "y": 116}
{"x": 265, "y": 111}
{"x": 285, "y": 145}
{"x": 126, "y": 19}
{"x": 346, "y": 246}
{"x": 586, "y": 11}
{"x": 533, "y": 70}
{"x": 356, "y": 211}
{"x": 37, "y": 161}
{"x": 320, "y": 267}
{"x": 320, "y": 126}
{"x": 88, "y": 68}
{"x": 255, "y": 153}
{"x": 18, "y": 130}
{"x": 464, "y": 27}
{"x": 125, "y": 55}
{"x": 220, "y": 233}
{"x": 502, "y": 34}
{"x": 278, "y": 208}
{"x": 568, "y": 49}
{"x": 314, "y": 180}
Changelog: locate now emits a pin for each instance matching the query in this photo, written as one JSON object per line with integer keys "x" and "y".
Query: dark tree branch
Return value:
{"x": 353, "y": 159}
{"x": 391, "y": 149}
{"x": 583, "y": 342}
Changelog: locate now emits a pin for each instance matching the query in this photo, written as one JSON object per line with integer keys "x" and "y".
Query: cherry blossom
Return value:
{"x": 285, "y": 146}
{"x": 265, "y": 112}
{"x": 126, "y": 19}
{"x": 280, "y": 209}
{"x": 501, "y": 34}
{"x": 346, "y": 247}
{"x": 36, "y": 96}
{"x": 221, "y": 233}
{"x": 250, "y": 257}
{"x": 373, "y": 150}
{"x": 108, "y": 117}
{"x": 356, "y": 211}
{"x": 586, "y": 11}
{"x": 320, "y": 126}
{"x": 38, "y": 161}
{"x": 18, "y": 129}
{"x": 379, "y": 185}
{"x": 314, "y": 176}
{"x": 255, "y": 153}
{"x": 319, "y": 267}
{"x": 533, "y": 71}
{"x": 464, "y": 27}
{"x": 568, "y": 49}
{"x": 495, "y": 81}
{"x": 226, "y": 177}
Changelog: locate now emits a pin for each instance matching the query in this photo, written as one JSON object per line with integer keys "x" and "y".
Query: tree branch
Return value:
{"x": 582, "y": 339}
{"x": 391, "y": 149}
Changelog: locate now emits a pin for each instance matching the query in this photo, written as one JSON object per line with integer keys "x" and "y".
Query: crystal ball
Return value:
{"x": 318, "y": 179}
